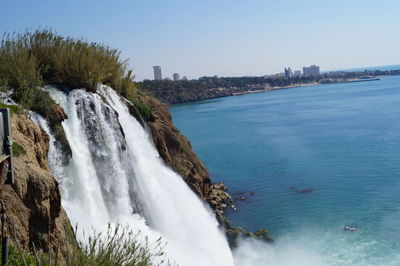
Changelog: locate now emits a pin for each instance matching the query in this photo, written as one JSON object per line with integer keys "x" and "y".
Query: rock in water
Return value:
{"x": 350, "y": 228}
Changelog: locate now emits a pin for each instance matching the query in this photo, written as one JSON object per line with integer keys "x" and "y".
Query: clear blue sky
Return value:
{"x": 223, "y": 37}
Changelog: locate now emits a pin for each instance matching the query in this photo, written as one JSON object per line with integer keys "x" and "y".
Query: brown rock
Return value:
{"x": 177, "y": 152}
{"x": 33, "y": 202}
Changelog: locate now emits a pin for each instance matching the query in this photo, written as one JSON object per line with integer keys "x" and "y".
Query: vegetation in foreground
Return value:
{"x": 117, "y": 246}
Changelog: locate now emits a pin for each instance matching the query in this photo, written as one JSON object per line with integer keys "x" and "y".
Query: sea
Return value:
{"x": 305, "y": 163}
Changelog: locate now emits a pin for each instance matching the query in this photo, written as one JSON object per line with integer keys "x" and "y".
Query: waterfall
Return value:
{"x": 117, "y": 175}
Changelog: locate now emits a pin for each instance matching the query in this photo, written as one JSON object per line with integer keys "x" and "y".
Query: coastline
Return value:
{"x": 186, "y": 91}
{"x": 291, "y": 87}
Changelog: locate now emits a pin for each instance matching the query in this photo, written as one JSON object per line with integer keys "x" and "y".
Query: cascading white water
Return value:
{"x": 116, "y": 174}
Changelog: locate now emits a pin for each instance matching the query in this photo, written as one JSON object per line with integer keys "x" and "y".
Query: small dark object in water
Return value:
{"x": 350, "y": 228}
{"x": 305, "y": 190}
{"x": 243, "y": 198}
{"x": 253, "y": 193}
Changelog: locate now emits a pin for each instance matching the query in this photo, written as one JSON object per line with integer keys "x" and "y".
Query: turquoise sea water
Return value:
{"x": 340, "y": 140}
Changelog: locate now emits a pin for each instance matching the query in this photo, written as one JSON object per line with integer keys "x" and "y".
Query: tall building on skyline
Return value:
{"x": 175, "y": 76}
{"x": 157, "y": 72}
{"x": 288, "y": 73}
{"x": 312, "y": 70}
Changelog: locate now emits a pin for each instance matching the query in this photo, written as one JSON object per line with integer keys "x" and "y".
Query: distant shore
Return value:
{"x": 269, "y": 88}
{"x": 204, "y": 88}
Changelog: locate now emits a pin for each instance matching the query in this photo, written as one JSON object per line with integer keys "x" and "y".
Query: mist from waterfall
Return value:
{"x": 116, "y": 175}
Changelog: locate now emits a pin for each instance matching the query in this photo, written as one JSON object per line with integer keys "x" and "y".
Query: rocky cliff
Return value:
{"x": 33, "y": 203}
{"x": 177, "y": 152}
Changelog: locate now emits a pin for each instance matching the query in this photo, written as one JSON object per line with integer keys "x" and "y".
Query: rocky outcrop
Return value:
{"x": 220, "y": 199}
{"x": 33, "y": 203}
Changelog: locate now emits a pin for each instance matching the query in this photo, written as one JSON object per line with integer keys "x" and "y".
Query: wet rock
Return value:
{"x": 234, "y": 234}
{"x": 350, "y": 228}
{"x": 302, "y": 190}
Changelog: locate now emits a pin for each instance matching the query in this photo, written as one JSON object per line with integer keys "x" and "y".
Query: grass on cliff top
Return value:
{"x": 32, "y": 59}
{"x": 13, "y": 108}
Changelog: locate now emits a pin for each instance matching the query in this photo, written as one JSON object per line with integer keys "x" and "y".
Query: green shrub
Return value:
{"x": 13, "y": 108}
{"x": 17, "y": 149}
{"x": 144, "y": 110}
{"x": 140, "y": 110}
{"x": 17, "y": 257}
{"x": 35, "y": 99}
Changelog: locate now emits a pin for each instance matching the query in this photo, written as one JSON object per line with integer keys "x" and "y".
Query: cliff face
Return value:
{"x": 33, "y": 203}
{"x": 177, "y": 152}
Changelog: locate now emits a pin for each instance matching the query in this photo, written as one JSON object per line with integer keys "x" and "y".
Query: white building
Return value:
{"x": 312, "y": 70}
{"x": 175, "y": 76}
{"x": 157, "y": 73}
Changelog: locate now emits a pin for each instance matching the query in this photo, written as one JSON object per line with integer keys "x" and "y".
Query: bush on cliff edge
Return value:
{"x": 42, "y": 57}
{"x": 33, "y": 59}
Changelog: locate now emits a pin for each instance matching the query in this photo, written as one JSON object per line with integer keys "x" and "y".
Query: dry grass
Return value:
{"x": 32, "y": 59}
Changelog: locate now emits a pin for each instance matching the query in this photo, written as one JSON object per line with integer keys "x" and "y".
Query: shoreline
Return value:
{"x": 284, "y": 87}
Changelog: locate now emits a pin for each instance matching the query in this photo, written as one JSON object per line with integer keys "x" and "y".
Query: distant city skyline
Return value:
{"x": 238, "y": 38}
{"x": 312, "y": 70}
